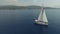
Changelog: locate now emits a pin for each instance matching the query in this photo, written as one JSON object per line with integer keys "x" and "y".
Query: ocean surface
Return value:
{"x": 21, "y": 21}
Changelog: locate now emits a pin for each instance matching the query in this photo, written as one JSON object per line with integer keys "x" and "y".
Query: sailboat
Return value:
{"x": 42, "y": 19}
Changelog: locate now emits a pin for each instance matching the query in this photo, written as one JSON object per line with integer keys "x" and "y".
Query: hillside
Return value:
{"x": 22, "y": 7}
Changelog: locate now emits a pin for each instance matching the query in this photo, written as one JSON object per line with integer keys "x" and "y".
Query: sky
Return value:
{"x": 47, "y": 3}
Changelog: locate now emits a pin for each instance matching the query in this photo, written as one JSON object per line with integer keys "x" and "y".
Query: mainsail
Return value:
{"x": 42, "y": 16}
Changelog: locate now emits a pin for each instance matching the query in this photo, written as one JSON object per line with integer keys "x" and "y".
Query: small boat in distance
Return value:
{"x": 42, "y": 19}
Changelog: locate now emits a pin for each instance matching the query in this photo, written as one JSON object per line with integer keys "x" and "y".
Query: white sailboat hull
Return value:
{"x": 41, "y": 22}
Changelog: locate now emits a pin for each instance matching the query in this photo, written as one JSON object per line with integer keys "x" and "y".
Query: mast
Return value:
{"x": 42, "y": 15}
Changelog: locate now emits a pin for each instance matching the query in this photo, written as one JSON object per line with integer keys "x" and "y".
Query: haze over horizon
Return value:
{"x": 47, "y": 3}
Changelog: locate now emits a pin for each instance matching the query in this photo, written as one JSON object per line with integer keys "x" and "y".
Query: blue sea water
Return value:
{"x": 21, "y": 21}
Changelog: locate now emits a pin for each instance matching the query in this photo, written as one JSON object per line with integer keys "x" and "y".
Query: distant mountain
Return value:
{"x": 23, "y": 7}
